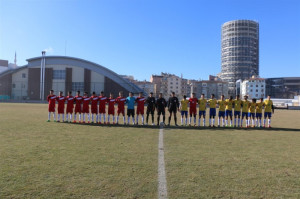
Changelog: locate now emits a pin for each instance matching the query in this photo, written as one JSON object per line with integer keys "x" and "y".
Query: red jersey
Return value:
{"x": 61, "y": 104}
{"x": 102, "y": 102}
{"x": 121, "y": 104}
{"x": 70, "y": 104}
{"x": 94, "y": 106}
{"x": 51, "y": 102}
{"x": 78, "y": 100}
{"x": 193, "y": 103}
{"x": 140, "y": 105}
{"x": 86, "y": 104}
{"x": 111, "y": 106}
{"x": 140, "y": 102}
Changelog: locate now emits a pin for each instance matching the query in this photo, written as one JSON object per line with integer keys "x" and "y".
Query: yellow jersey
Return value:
{"x": 252, "y": 107}
{"x": 202, "y": 104}
{"x": 268, "y": 105}
{"x": 259, "y": 107}
{"x": 184, "y": 104}
{"x": 229, "y": 104}
{"x": 245, "y": 105}
{"x": 222, "y": 105}
{"x": 212, "y": 103}
{"x": 237, "y": 105}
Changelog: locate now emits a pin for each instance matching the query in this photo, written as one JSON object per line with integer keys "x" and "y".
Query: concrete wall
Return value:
{"x": 97, "y": 82}
{"x": 20, "y": 84}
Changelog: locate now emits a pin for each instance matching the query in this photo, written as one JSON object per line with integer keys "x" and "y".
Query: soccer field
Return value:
{"x": 40, "y": 159}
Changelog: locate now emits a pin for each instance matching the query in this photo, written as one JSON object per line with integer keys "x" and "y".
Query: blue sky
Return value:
{"x": 144, "y": 37}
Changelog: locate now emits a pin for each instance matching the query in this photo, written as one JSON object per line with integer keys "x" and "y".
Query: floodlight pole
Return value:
{"x": 43, "y": 66}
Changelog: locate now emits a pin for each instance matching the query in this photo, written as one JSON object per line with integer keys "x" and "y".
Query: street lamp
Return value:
{"x": 42, "y": 80}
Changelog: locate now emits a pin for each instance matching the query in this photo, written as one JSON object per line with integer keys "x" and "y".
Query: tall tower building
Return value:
{"x": 240, "y": 52}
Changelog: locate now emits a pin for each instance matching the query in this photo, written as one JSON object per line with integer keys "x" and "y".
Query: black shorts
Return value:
{"x": 150, "y": 111}
{"x": 173, "y": 110}
{"x": 161, "y": 112}
{"x": 130, "y": 112}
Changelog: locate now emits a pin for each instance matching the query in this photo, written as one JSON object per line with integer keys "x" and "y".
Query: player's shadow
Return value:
{"x": 166, "y": 127}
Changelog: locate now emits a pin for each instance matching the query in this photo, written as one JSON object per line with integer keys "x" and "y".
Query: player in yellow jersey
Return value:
{"x": 251, "y": 112}
{"x": 245, "y": 107}
{"x": 202, "y": 109}
{"x": 258, "y": 115}
{"x": 237, "y": 110}
{"x": 212, "y": 110}
{"x": 269, "y": 109}
{"x": 228, "y": 111}
{"x": 184, "y": 109}
{"x": 222, "y": 105}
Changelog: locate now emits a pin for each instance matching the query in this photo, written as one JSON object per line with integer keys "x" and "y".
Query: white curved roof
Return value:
{"x": 72, "y": 61}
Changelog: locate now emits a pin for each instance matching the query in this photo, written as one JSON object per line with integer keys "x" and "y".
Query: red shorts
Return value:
{"x": 61, "y": 110}
{"x": 101, "y": 109}
{"x": 94, "y": 110}
{"x": 140, "y": 111}
{"x": 193, "y": 111}
{"x": 51, "y": 108}
{"x": 69, "y": 109}
{"x": 111, "y": 111}
{"x": 85, "y": 110}
{"x": 121, "y": 111}
{"x": 77, "y": 109}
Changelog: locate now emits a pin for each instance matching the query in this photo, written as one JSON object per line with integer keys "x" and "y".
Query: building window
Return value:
{"x": 59, "y": 74}
{"x": 23, "y": 75}
{"x": 256, "y": 90}
{"x": 256, "y": 85}
{"x": 204, "y": 84}
{"x": 262, "y": 90}
{"x": 256, "y": 95}
{"x": 219, "y": 84}
{"x": 251, "y": 85}
{"x": 78, "y": 86}
{"x": 23, "y": 85}
{"x": 251, "y": 90}
{"x": 262, "y": 85}
{"x": 14, "y": 85}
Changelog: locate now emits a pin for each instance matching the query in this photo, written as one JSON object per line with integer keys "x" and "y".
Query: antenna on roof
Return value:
{"x": 15, "y": 58}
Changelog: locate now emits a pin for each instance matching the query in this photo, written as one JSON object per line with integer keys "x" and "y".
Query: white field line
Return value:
{"x": 162, "y": 181}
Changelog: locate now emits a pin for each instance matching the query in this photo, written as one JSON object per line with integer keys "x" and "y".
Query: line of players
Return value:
{"x": 250, "y": 110}
{"x": 243, "y": 109}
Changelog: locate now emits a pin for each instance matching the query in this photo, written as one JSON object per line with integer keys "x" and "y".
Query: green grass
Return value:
{"x": 58, "y": 160}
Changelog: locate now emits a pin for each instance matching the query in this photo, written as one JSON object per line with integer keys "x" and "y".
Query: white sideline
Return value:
{"x": 162, "y": 181}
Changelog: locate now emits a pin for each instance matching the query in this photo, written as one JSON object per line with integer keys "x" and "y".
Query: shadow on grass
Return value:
{"x": 185, "y": 127}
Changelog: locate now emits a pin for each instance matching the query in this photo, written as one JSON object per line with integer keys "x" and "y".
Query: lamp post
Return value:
{"x": 42, "y": 81}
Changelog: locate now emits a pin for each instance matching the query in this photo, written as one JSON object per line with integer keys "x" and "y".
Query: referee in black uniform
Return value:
{"x": 161, "y": 104}
{"x": 173, "y": 105}
{"x": 150, "y": 107}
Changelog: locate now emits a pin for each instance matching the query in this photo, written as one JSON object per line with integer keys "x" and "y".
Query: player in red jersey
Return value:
{"x": 70, "y": 106}
{"x": 51, "y": 105}
{"x": 121, "y": 110}
{"x": 78, "y": 101}
{"x": 140, "y": 100}
{"x": 193, "y": 108}
{"x": 102, "y": 103}
{"x": 94, "y": 106}
{"x": 111, "y": 108}
{"x": 86, "y": 106}
{"x": 61, "y": 106}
